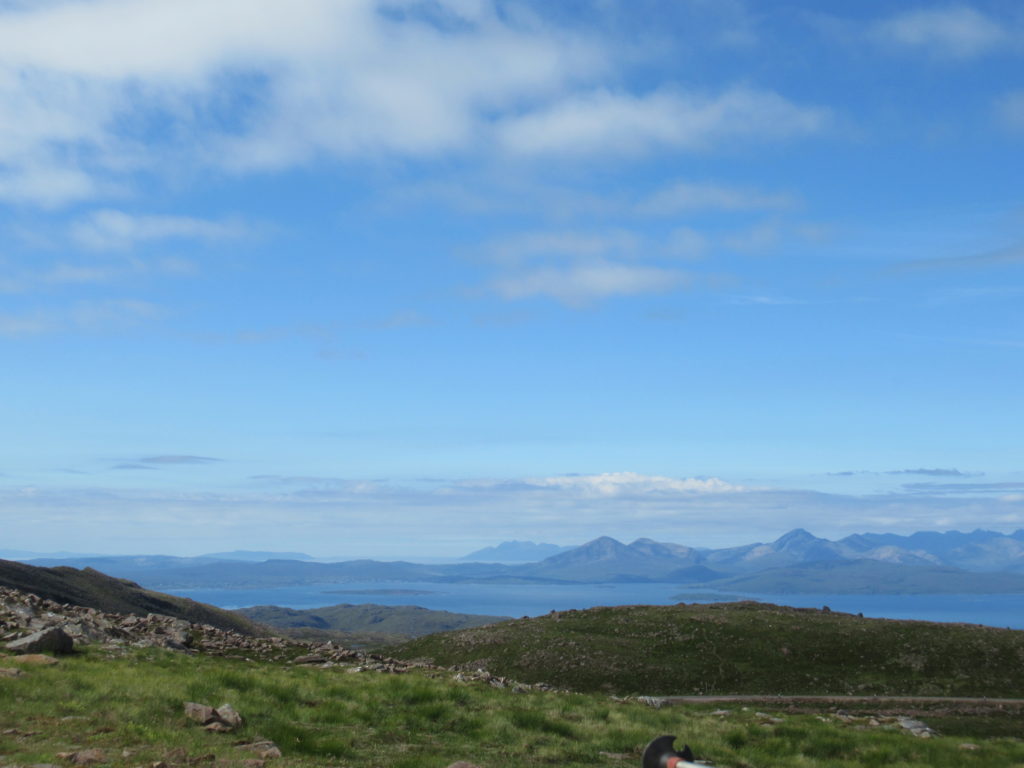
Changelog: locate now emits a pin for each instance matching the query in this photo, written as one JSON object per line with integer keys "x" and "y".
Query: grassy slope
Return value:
{"x": 407, "y": 620}
{"x": 96, "y": 590}
{"x": 131, "y": 707}
{"x": 742, "y": 648}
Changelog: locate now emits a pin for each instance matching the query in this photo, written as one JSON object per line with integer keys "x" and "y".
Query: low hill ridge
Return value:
{"x": 89, "y": 588}
{"x": 734, "y": 648}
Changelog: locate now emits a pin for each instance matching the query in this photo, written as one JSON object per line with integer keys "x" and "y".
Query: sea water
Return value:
{"x": 518, "y": 600}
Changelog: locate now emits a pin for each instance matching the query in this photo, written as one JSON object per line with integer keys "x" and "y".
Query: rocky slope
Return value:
{"x": 90, "y": 588}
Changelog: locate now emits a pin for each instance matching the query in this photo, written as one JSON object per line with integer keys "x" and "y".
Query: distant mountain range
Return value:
{"x": 256, "y": 557}
{"x": 924, "y": 562}
{"x": 514, "y": 552}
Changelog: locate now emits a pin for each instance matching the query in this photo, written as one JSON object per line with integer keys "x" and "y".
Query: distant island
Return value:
{"x": 926, "y": 562}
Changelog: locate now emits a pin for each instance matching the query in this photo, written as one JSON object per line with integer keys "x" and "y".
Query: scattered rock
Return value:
{"x": 228, "y": 715}
{"x": 38, "y": 659}
{"x": 83, "y": 757}
{"x": 220, "y": 720}
{"x": 201, "y": 713}
{"x": 463, "y": 764}
{"x": 309, "y": 658}
{"x": 265, "y": 749}
{"x": 53, "y": 639}
{"x": 10, "y": 672}
{"x": 722, "y": 712}
{"x": 915, "y": 727}
{"x": 968, "y": 747}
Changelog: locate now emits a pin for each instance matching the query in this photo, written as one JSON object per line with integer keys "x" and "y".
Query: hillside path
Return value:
{"x": 872, "y": 702}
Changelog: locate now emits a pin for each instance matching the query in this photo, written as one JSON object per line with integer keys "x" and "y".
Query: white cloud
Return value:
{"x": 957, "y": 31}
{"x": 262, "y": 84}
{"x": 578, "y": 268}
{"x": 258, "y": 83}
{"x": 615, "y": 123}
{"x": 684, "y": 197}
{"x": 610, "y": 484}
{"x": 580, "y": 284}
{"x": 45, "y": 184}
{"x": 116, "y": 230}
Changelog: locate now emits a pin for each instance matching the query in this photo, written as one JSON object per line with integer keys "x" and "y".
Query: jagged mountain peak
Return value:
{"x": 798, "y": 538}
{"x": 661, "y": 549}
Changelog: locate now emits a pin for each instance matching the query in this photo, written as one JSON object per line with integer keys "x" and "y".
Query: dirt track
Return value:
{"x": 878, "y": 704}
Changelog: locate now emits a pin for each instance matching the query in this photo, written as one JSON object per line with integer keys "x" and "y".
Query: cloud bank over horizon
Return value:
{"x": 327, "y": 516}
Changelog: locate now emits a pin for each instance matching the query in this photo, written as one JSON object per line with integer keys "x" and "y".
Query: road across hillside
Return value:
{"x": 873, "y": 703}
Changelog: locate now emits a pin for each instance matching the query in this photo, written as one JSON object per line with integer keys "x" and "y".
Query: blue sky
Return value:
{"x": 394, "y": 278}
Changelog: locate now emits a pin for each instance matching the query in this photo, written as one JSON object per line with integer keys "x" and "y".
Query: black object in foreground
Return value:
{"x": 660, "y": 754}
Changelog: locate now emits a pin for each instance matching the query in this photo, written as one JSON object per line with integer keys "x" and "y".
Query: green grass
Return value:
{"x": 424, "y": 719}
{"x": 737, "y": 648}
{"x": 383, "y": 624}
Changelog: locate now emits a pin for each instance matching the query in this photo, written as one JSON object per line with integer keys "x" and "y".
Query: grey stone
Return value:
{"x": 201, "y": 713}
{"x": 53, "y": 639}
{"x": 229, "y": 716}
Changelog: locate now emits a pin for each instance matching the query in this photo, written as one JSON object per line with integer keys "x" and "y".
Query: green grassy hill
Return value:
{"x": 737, "y": 648}
{"x": 92, "y": 589}
{"x": 406, "y": 621}
{"x": 127, "y": 710}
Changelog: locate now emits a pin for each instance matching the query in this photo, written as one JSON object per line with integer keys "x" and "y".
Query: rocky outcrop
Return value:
{"x": 23, "y": 614}
{"x": 222, "y": 719}
{"x": 49, "y": 640}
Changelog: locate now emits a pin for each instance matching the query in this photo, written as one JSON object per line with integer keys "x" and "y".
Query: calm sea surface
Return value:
{"x": 537, "y": 599}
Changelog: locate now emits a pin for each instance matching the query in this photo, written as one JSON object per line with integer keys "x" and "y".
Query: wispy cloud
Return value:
{"x": 957, "y": 31}
{"x": 933, "y": 472}
{"x": 997, "y": 258}
{"x": 178, "y": 459}
{"x": 612, "y": 123}
{"x": 612, "y": 484}
{"x": 579, "y": 284}
{"x": 116, "y": 230}
{"x": 963, "y": 489}
{"x": 525, "y": 247}
{"x": 578, "y": 268}
{"x": 687, "y": 196}
{"x": 80, "y": 316}
{"x": 1009, "y": 110}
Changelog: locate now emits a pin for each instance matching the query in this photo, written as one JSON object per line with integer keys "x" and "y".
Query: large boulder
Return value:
{"x": 50, "y": 640}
